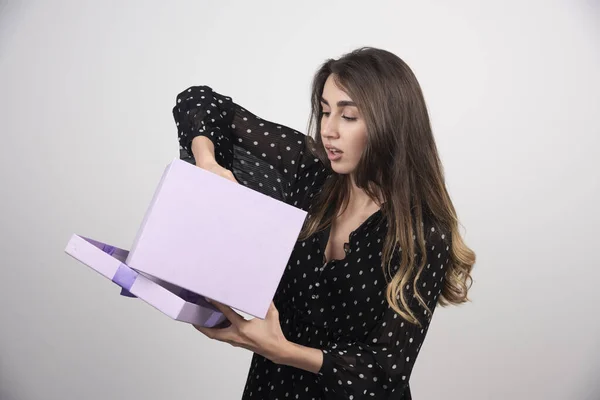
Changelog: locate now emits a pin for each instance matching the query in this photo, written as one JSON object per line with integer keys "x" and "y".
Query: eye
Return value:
{"x": 325, "y": 113}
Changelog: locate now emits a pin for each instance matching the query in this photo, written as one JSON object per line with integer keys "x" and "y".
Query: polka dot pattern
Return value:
{"x": 337, "y": 306}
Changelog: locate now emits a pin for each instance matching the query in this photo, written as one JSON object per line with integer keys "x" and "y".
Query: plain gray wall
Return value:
{"x": 86, "y": 91}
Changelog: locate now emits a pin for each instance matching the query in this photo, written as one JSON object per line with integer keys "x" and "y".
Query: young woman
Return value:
{"x": 380, "y": 247}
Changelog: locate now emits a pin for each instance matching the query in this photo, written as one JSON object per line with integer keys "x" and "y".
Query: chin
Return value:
{"x": 341, "y": 168}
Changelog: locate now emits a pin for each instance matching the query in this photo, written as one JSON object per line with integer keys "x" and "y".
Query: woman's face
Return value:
{"x": 342, "y": 128}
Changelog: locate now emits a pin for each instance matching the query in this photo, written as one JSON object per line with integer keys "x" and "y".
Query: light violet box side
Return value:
{"x": 148, "y": 212}
{"x": 217, "y": 238}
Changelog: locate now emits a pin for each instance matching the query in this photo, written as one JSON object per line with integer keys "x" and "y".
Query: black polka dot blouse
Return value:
{"x": 339, "y": 306}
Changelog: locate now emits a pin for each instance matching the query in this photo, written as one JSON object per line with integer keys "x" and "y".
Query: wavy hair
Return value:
{"x": 400, "y": 162}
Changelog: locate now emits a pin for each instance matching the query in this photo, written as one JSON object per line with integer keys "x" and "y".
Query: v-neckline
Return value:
{"x": 326, "y": 233}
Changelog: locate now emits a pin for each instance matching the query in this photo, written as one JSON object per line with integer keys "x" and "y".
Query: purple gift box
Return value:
{"x": 202, "y": 236}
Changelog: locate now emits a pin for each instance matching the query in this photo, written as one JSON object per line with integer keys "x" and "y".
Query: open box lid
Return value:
{"x": 175, "y": 302}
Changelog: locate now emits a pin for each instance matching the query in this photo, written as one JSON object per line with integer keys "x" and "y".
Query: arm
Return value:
{"x": 263, "y": 155}
{"x": 203, "y": 150}
{"x": 302, "y": 357}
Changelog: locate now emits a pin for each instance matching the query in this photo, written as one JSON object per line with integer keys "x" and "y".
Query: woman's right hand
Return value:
{"x": 204, "y": 152}
{"x": 215, "y": 168}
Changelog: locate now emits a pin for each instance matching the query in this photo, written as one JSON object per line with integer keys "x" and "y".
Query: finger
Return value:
{"x": 272, "y": 312}
{"x": 204, "y": 330}
{"x": 223, "y": 325}
{"x": 232, "y": 316}
{"x": 272, "y": 307}
{"x": 231, "y": 177}
{"x": 225, "y": 335}
{"x": 213, "y": 333}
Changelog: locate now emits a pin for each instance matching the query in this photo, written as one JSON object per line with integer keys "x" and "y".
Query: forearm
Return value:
{"x": 302, "y": 357}
{"x": 203, "y": 150}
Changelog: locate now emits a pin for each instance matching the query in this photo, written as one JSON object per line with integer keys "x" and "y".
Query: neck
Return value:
{"x": 359, "y": 200}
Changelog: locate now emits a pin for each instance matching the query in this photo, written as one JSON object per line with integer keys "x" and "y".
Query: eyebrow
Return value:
{"x": 342, "y": 103}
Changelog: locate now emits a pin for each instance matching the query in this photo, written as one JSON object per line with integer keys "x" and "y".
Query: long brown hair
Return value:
{"x": 400, "y": 162}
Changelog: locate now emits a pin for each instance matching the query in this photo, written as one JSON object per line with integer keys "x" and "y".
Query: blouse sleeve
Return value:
{"x": 263, "y": 155}
{"x": 381, "y": 366}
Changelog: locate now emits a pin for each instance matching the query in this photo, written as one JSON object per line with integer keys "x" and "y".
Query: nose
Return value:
{"x": 329, "y": 128}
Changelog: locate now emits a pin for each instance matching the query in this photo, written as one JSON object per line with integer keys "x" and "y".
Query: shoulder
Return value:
{"x": 311, "y": 166}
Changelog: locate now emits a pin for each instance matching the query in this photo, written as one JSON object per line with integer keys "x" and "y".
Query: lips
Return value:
{"x": 333, "y": 149}
{"x": 333, "y": 153}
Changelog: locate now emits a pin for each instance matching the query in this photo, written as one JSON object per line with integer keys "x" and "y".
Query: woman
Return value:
{"x": 356, "y": 299}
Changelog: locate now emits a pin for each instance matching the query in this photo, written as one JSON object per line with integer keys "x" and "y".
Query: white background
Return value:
{"x": 86, "y": 91}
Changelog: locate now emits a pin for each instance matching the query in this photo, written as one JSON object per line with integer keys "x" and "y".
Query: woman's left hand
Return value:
{"x": 263, "y": 337}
